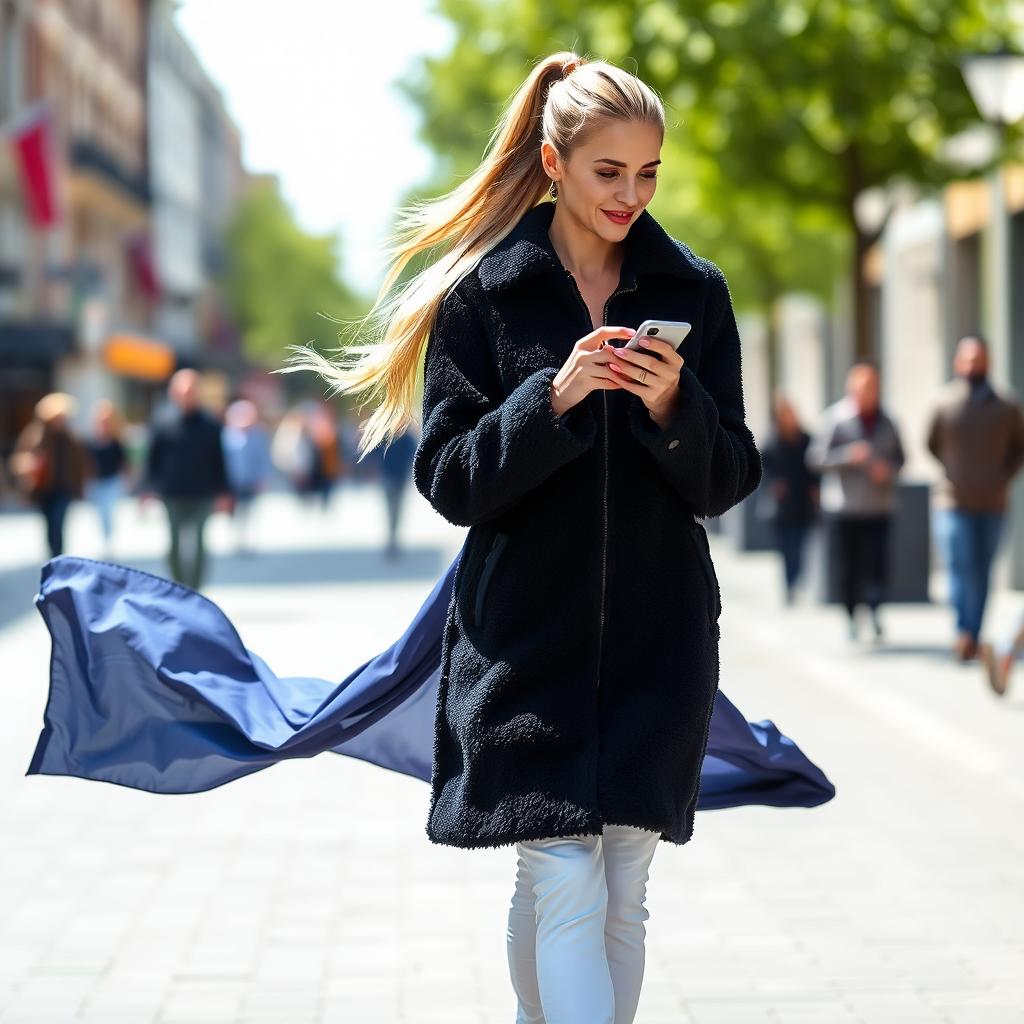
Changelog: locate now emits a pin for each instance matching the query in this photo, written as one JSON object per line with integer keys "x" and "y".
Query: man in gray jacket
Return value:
{"x": 859, "y": 454}
{"x": 978, "y": 436}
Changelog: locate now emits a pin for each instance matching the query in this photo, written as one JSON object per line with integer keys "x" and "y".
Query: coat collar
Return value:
{"x": 527, "y": 250}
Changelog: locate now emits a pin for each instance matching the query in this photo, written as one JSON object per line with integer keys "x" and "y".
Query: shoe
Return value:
{"x": 966, "y": 647}
{"x": 997, "y": 667}
{"x": 962, "y": 647}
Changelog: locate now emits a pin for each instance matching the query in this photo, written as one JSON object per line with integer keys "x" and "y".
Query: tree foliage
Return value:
{"x": 281, "y": 279}
{"x": 780, "y": 111}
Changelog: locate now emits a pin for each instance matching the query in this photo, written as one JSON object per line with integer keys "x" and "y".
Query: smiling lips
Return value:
{"x": 617, "y": 216}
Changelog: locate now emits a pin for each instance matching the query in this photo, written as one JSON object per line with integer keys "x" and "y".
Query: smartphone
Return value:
{"x": 672, "y": 331}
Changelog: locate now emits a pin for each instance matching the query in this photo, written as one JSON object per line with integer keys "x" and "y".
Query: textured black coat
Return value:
{"x": 579, "y": 661}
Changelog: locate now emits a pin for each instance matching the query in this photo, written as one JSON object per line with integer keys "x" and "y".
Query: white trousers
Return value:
{"x": 576, "y": 926}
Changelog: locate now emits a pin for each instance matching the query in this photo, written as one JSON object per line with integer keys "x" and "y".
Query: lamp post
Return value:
{"x": 996, "y": 84}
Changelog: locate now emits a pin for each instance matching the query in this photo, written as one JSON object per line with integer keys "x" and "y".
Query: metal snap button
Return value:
{"x": 673, "y": 442}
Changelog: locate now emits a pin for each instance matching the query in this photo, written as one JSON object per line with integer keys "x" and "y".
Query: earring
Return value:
{"x": 553, "y": 189}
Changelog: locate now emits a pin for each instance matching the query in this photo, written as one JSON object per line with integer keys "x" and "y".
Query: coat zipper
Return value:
{"x": 604, "y": 402}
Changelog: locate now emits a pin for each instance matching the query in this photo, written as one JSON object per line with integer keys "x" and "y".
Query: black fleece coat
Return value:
{"x": 579, "y": 660}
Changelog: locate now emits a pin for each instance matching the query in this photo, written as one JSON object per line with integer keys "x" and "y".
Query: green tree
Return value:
{"x": 283, "y": 283}
{"x": 789, "y": 109}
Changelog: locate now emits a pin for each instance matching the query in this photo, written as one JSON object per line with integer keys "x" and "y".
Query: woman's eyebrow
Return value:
{"x": 619, "y": 163}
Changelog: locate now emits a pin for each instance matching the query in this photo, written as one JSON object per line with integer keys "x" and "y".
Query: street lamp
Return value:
{"x": 996, "y": 83}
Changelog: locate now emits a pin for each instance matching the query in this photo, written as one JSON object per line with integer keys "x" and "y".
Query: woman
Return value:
{"x": 580, "y": 656}
{"x": 556, "y": 688}
{"x": 792, "y": 487}
{"x": 51, "y": 464}
{"x": 108, "y": 466}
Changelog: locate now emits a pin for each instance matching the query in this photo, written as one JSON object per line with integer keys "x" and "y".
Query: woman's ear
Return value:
{"x": 549, "y": 159}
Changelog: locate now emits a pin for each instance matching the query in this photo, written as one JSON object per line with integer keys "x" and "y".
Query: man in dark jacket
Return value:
{"x": 978, "y": 436}
{"x": 185, "y": 466}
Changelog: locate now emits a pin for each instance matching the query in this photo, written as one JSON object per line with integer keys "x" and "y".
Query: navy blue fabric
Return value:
{"x": 151, "y": 687}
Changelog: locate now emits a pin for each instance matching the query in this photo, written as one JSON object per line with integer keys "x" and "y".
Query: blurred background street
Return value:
{"x": 309, "y": 893}
{"x": 188, "y": 189}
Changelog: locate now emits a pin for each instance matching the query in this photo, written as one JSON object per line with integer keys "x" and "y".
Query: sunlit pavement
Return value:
{"x": 309, "y": 892}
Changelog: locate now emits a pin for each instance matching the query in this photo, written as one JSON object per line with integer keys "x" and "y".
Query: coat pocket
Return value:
{"x": 700, "y": 542}
{"x": 490, "y": 561}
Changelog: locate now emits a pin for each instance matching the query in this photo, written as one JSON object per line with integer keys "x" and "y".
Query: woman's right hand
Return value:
{"x": 585, "y": 369}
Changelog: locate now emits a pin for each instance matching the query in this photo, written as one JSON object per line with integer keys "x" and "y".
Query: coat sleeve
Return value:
{"x": 153, "y": 469}
{"x": 933, "y": 438}
{"x": 1015, "y": 449}
{"x": 218, "y": 464}
{"x": 706, "y": 451}
{"x": 481, "y": 451}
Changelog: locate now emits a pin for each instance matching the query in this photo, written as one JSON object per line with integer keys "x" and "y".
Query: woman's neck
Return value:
{"x": 585, "y": 255}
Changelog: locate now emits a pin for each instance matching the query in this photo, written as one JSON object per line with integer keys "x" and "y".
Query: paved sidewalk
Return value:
{"x": 309, "y": 892}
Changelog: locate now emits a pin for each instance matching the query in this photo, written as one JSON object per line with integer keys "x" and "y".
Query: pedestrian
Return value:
{"x": 581, "y": 649}
{"x": 247, "y": 459}
{"x": 858, "y": 452}
{"x": 978, "y": 437}
{"x": 292, "y": 450}
{"x": 109, "y": 462}
{"x": 395, "y": 474}
{"x": 792, "y": 488}
{"x": 327, "y": 465}
{"x": 185, "y": 467}
{"x": 50, "y": 464}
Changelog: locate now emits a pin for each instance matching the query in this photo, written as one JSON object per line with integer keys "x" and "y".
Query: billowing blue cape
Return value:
{"x": 151, "y": 687}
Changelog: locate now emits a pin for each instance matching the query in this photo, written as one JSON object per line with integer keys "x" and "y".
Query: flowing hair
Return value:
{"x": 563, "y": 96}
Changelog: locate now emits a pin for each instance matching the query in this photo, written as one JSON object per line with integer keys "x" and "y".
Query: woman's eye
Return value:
{"x": 612, "y": 174}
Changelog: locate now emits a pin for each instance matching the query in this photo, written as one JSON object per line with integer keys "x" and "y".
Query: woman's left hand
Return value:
{"x": 658, "y": 387}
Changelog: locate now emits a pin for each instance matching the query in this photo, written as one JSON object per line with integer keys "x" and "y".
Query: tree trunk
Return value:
{"x": 864, "y": 342}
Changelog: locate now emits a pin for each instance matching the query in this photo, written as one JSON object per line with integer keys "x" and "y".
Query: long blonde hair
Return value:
{"x": 564, "y": 95}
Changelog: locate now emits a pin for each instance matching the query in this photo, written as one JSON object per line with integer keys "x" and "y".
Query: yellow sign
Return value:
{"x": 136, "y": 356}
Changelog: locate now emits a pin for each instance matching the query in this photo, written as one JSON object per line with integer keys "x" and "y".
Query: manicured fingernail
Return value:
{"x": 645, "y": 343}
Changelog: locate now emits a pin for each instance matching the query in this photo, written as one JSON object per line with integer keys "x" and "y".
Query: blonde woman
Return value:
{"x": 557, "y": 687}
{"x": 581, "y": 654}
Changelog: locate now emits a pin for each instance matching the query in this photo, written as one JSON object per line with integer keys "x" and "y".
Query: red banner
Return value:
{"x": 33, "y": 147}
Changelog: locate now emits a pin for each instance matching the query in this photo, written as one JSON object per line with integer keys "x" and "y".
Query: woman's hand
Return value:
{"x": 586, "y": 369}
{"x": 658, "y": 387}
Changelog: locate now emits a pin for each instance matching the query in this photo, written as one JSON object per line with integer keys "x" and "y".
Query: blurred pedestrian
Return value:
{"x": 50, "y": 464}
{"x": 395, "y": 474}
{"x": 978, "y": 436}
{"x": 185, "y": 467}
{"x": 792, "y": 489}
{"x": 858, "y": 452}
{"x": 291, "y": 449}
{"x": 247, "y": 458}
{"x": 327, "y": 465}
{"x": 109, "y": 462}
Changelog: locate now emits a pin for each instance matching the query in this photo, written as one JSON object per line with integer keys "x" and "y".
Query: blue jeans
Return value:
{"x": 969, "y": 542}
{"x": 576, "y": 926}
{"x": 104, "y": 492}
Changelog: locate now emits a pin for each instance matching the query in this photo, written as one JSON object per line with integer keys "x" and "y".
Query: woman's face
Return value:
{"x": 615, "y": 170}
